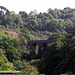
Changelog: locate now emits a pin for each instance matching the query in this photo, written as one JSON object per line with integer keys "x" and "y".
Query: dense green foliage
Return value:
{"x": 45, "y": 23}
{"x": 58, "y": 58}
{"x": 4, "y": 63}
{"x": 14, "y": 48}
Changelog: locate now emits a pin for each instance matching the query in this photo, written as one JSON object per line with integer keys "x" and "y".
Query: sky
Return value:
{"x": 39, "y": 5}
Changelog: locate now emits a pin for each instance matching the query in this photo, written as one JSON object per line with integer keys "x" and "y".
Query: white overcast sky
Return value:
{"x": 39, "y": 5}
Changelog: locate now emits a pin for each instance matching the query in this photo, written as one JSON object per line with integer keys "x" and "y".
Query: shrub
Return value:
{"x": 30, "y": 70}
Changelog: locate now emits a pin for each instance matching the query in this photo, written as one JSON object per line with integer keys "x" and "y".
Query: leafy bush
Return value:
{"x": 30, "y": 70}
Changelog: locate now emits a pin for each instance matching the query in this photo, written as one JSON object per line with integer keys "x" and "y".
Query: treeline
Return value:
{"x": 46, "y": 24}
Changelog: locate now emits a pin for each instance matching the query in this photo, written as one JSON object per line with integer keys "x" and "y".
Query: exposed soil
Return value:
{"x": 13, "y": 32}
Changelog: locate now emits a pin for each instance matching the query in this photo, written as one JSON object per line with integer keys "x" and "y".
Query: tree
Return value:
{"x": 33, "y": 12}
{"x": 53, "y": 12}
{"x": 3, "y": 8}
{"x": 59, "y": 58}
{"x": 48, "y": 15}
{"x": 68, "y": 9}
{"x": 13, "y": 54}
{"x": 7, "y": 43}
{"x": 68, "y": 25}
{"x": 58, "y": 34}
{"x": 19, "y": 21}
{"x": 4, "y": 63}
{"x": 23, "y": 14}
{"x": 52, "y": 58}
{"x": 33, "y": 22}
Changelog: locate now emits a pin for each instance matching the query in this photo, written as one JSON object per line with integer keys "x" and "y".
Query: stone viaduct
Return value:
{"x": 42, "y": 45}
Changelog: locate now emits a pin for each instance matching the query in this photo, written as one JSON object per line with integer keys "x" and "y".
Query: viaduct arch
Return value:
{"x": 42, "y": 45}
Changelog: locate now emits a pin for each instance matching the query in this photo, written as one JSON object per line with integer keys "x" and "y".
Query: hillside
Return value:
{"x": 16, "y": 29}
{"x": 41, "y": 25}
